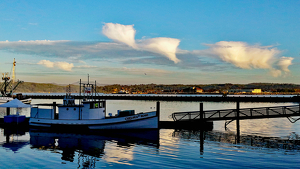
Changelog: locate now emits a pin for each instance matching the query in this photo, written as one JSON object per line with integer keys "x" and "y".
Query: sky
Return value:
{"x": 143, "y": 42}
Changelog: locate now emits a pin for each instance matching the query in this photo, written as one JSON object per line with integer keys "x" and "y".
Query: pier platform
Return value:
{"x": 187, "y": 125}
{"x": 162, "y": 97}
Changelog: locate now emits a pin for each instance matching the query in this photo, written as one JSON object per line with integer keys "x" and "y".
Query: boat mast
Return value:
{"x": 95, "y": 88}
{"x": 88, "y": 79}
{"x": 80, "y": 89}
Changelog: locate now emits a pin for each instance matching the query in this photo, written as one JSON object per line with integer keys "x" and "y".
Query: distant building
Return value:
{"x": 115, "y": 90}
{"x": 244, "y": 90}
{"x": 192, "y": 90}
{"x": 256, "y": 91}
{"x": 198, "y": 90}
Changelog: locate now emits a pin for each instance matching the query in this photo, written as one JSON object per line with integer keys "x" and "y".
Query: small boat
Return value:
{"x": 8, "y": 99}
{"x": 89, "y": 114}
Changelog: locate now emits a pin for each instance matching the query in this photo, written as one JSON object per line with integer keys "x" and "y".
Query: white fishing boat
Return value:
{"x": 90, "y": 114}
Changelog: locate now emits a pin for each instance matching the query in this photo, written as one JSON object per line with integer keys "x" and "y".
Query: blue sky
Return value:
{"x": 164, "y": 42}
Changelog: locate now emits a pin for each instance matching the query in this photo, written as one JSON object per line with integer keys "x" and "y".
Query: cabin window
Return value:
{"x": 74, "y": 108}
{"x": 67, "y": 108}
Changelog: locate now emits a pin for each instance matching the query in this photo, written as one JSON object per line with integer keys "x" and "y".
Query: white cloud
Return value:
{"x": 126, "y": 34}
{"x": 32, "y": 42}
{"x": 85, "y": 66}
{"x": 120, "y": 33}
{"x": 64, "y": 65}
{"x": 243, "y": 55}
{"x": 275, "y": 72}
{"x": 164, "y": 46}
{"x": 46, "y": 63}
{"x": 61, "y": 65}
{"x": 247, "y": 56}
{"x": 284, "y": 63}
{"x": 150, "y": 51}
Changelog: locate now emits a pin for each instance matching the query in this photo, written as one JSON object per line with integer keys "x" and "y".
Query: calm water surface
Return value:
{"x": 265, "y": 143}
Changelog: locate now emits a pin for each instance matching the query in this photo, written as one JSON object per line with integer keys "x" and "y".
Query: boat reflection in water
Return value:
{"x": 289, "y": 142}
{"x": 89, "y": 146}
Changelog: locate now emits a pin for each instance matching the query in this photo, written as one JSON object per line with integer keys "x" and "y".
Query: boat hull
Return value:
{"x": 138, "y": 121}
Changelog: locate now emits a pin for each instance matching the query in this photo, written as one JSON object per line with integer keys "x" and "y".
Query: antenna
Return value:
{"x": 68, "y": 89}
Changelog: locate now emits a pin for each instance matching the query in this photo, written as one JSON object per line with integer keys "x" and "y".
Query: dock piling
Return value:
{"x": 158, "y": 112}
{"x": 238, "y": 122}
{"x": 54, "y": 110}
{"x": 7, "y": 110}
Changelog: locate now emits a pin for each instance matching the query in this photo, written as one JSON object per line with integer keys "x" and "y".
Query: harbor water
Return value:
{"x": 265, "y": 143}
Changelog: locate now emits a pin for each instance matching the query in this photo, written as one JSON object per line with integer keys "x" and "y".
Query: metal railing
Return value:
{"x": 245, "y": 113}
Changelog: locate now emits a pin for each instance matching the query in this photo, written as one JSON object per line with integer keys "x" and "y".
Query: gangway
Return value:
{"x": 201, "y": 117}
{"x": 245, "y": 113}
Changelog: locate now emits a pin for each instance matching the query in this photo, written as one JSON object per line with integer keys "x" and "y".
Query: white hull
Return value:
{"x": 138, "y": 121}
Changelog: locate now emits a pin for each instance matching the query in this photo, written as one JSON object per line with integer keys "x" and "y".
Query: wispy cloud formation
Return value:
{"x": 127, "y": 50}
{"x": 28, "y": 43}
{"x": 61, "y": 65}
{"x": 126, "y": 34}
{"x": 46, "y": 63}
{"x": 120, "y": 33}
{"x": 163, "y": 46}
{"x": 284, "y": 63}
{"x": 243, "y": 55}
{"x": 247, "y": 56}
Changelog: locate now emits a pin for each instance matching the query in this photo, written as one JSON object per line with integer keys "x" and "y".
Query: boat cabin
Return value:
{"x": 88, "y": 110}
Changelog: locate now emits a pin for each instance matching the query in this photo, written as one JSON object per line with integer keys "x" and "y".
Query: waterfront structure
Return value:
{"x": 198, "y": 90}
{"x": 90, "y": 113}
{"x": 244, "y": 91}
{"x": 192, "y": 90}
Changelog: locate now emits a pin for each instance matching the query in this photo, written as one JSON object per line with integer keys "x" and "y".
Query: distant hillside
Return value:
{"x": 29, "y": 87}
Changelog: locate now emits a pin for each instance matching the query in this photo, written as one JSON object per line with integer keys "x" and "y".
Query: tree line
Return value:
{"x": 30, "y": 87}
